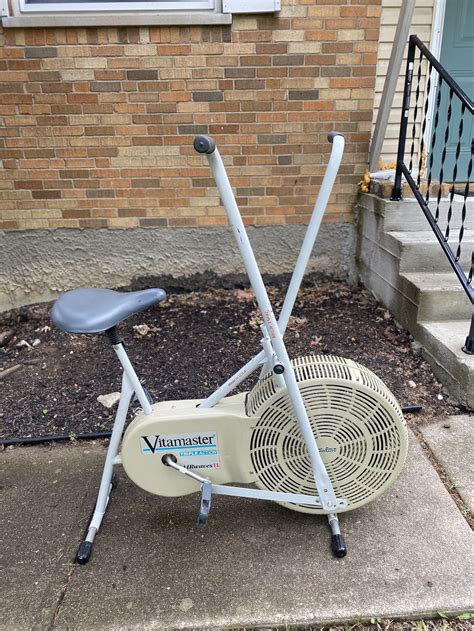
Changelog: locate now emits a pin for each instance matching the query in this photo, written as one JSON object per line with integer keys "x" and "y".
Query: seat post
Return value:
{"x": 128, "y": 368}
{"x": 113, "y": 335}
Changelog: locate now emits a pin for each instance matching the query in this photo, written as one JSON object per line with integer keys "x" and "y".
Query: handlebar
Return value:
{"x": 333, "y": 134}
{"x": 204, "y": 144}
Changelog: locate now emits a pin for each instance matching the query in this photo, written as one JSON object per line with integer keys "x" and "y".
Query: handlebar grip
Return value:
{"x": 333, "y": 134}
{"x": 204, "y": 144}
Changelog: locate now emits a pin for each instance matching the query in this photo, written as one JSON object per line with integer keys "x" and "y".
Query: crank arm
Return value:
{"x": 205, "y": 507}
{"x": 170, "y": 460}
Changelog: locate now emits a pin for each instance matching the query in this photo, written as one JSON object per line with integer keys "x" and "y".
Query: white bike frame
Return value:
{"x": 273, "y": 355}
{"x": 227, "y": 196}
{"x": 273, "y": 352}
{"x": 276, "y": 350}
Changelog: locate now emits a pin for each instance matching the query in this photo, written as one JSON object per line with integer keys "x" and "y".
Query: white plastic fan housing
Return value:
{"x": 357, "y": 422}
{"x": 254, "y": 438}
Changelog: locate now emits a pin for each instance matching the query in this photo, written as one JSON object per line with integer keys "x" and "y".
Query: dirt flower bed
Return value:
{"x": 189, "y": 345}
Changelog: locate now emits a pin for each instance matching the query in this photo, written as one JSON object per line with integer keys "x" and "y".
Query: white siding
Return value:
{"x": 422, "y": 24}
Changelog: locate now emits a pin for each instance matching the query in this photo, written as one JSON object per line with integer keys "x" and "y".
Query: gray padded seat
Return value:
{"x": 96, "y": 310}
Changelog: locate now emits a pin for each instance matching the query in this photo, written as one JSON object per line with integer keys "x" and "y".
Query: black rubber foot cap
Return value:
{"x": 84, "y": 553}
{"x": 338, "y": 546}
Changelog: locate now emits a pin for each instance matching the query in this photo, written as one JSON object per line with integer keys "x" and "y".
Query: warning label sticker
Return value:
{"x": 197, "y": 450}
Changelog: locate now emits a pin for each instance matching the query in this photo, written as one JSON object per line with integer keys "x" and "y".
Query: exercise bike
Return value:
{"x": 318, "y": 434}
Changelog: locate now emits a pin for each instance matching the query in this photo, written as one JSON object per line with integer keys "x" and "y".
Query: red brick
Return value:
{"x": 24, "y": 64}
{"x": 110, "y": 75}
{"x": 353, "y": 11}
{"x": 56, "y": 87}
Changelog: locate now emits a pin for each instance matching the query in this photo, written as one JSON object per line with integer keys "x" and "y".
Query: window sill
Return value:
{"x": 118, "y": 19}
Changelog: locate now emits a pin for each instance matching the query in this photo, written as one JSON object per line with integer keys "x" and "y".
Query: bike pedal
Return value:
{"x": 205, "y": 507}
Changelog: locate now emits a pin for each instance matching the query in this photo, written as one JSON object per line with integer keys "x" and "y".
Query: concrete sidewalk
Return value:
{"x": 256, "y": 564}
{"x": 451, "y": 442}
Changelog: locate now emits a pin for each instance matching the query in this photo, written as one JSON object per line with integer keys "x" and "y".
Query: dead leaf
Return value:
{"x": 144, "y": 329}
{"x": 255, "y": 321}
{"x": 43, "y": 329}
{"x": 296, "y": 324}
{"x": 24, "y": 343}
{"x": 390, "y": 336}
{"x": 244, "y": 295}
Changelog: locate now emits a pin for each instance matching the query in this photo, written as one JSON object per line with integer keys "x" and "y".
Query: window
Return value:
{"x": 128, "y": 12}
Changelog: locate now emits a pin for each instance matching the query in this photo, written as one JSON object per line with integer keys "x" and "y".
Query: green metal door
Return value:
{"x": 457, "y": 56}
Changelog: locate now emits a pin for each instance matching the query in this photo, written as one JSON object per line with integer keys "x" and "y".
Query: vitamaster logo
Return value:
{"x": 158, "y": 442}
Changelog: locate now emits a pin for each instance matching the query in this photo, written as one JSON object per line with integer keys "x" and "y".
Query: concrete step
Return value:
{"x": 409, "y": 273}
{"x": 420, "y": 251}
{"x": 442, "y": 344}
{"x": 406, "y": 215}
{"x": 434, "y": 296}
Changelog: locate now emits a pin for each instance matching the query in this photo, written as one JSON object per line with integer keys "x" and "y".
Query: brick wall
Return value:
{"x": 97, "y": 123}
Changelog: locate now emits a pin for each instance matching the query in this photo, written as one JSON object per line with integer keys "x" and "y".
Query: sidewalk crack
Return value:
{"x": 445, "y": 479}
{"x": 62, "y": 595}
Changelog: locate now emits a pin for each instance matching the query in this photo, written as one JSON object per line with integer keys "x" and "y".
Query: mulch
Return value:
{"x": 190, "y": 344}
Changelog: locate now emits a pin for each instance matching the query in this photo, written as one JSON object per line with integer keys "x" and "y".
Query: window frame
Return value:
{"x": 115, "y": 7}
{"x": 128, "y": 13}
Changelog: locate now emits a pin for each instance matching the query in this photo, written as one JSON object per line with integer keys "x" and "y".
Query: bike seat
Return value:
{"x": 96, "y": 310}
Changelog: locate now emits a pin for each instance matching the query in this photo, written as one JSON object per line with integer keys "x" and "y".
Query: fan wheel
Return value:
{"x": 357, "y": 422}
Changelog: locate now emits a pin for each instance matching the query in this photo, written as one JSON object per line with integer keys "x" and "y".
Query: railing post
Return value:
{"x": 397, "y": 189}
{"x": 390, "y": 84}
{"x": 469, "y": 345}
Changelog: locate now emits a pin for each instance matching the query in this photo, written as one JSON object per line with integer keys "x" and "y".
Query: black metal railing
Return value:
{"x": 440, "y": 183}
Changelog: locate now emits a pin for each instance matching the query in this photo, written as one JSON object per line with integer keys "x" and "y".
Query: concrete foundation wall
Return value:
{"x": 37, "y": 265}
